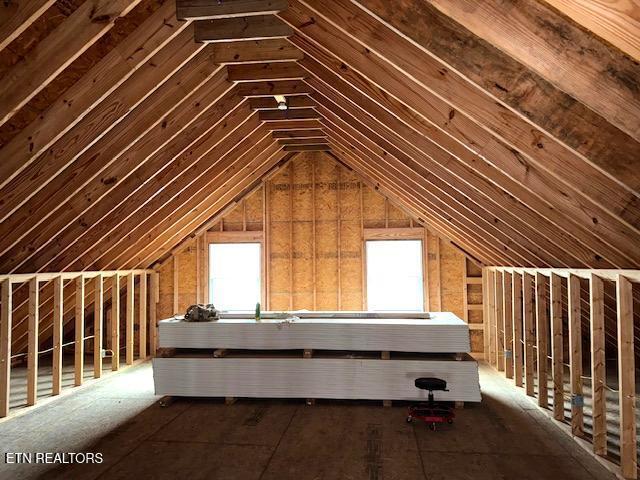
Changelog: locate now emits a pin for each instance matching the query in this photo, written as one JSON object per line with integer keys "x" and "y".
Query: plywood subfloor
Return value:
{"x": 504, "y": 437}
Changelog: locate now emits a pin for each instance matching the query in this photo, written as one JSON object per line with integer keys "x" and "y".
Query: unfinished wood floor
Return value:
{"x": 504, "y": 437}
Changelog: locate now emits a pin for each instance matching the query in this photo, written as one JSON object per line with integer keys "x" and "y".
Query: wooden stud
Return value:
{"x": 626, "y": 379}
{"x": 485, "y": 311}
{"x": 508, "y": 323}
{"x": 363, "y": 252}
{"x": 425, "y": 270}
{"x": 143, "y": 299}
{"x": 266, "y": 228}
{"x": 491, "y": 310}
{"x": 98, "y": 313}
{"x": 32, "y": 350}
{"x": 575, "y": 356}
{"x": 465, "y": 302}
{"x": 259, "y": 27}
{"x": 499, "y": 304}
{"x": 291, "y": 244}
{"x": 529, "y": 334}
{"x": 557, "y": 347}
{"x": 130, "y": 319}
{"x": 115, "y": 322}
{"x": 198, "y": 269}
{"x": 154, "y": 288}
{"x": 5, "y": 345}
{"x": 208, "y": 10}
{"x": 542, "y": 335}
{"x": 176, "y": 285}
{"x": 314, "y": 253}
{"x": 517, "y": 309}
{"x": 438, "y": 274}
{"x": 598, "y": 365}
{"x": 339, "y": 238}
{"x": 58, "y": 334}
{"x": 79, "y": 333}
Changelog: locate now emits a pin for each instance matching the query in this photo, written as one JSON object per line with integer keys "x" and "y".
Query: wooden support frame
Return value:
{"x": 575, "y": 356}
{"x": 58, "y": 332}
{"x": 131, "y": 287}
{"x": 490, "y": 330}
{"x": 508, "y": 322}
{"x": 98, "y": 314}
{"x": 542, "y": 335}
{"x": 557, "y": 347}
{"x": 5, "y": 345}
{"x": 78, "y": 366}
{"x": 115, "y": 322}
{"x": 598, "y": 365}
{"x": 529, "y": 334}
{"x": 517, "y": 309}
{"x": 258, "y": 27}
{"x": 207, "y": 10}
{"x": 626, "y": 379}
{"x": 499, "y": 324}
{"x": 154, "y": 287}
{"x": 143, "y": 302}
{"x": 32, "y": 349}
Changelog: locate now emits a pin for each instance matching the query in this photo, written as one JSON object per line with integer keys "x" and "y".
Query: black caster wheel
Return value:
{"x": 450, "y": 421}
{"x": 409, "y": 419}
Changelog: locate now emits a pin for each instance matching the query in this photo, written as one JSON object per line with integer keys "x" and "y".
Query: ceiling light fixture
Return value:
{"x": 282, "y": 102}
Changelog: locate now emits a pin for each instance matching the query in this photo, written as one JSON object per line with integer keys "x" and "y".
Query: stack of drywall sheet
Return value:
{"x": 440, "y": 333}
{"x": 326, "y": 376}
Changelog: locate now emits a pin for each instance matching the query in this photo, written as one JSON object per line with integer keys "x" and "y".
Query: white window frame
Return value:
{"x": 237, "y": 237}
{"x": 399, "y": 233}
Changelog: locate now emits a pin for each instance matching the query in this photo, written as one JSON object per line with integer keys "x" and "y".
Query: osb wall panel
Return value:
{"x": 313, "y": 223}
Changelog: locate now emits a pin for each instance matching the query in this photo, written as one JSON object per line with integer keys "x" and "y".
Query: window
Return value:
{"x": 394, "y": 275}
{"x": 234, "y": 275}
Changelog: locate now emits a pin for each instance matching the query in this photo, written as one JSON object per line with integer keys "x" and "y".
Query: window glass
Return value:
{"x": 394, "y": 275}
{"x": 234, "y": 275}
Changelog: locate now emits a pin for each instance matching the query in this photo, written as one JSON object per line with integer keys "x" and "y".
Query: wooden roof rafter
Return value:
{"x": 344, "y": 51}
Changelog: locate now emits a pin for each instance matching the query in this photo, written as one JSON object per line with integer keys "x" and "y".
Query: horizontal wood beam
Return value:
{"x": 307, "y": 148}
{"x": 49, "y": 276}
{"x": 241, "y": 29}
{"x": 212, "y": 10}
{"x": 263, "y": 72}
{"x": 311, "y": 133}
{"x": 293, "y": 114}
{"x": 255, "y": 51}
{"x": 269, "y": 103}
{"x": 303, "y": 141}
{"x": 283, "y": 125}
{"x": 269, "y": 89}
